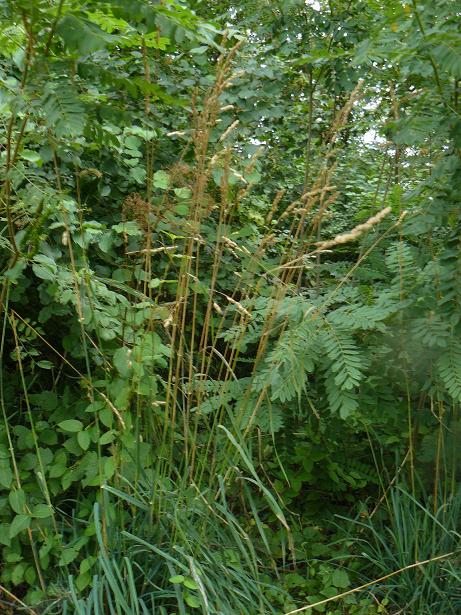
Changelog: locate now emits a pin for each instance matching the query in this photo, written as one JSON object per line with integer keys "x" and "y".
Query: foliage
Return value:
{"x": 230, "y": 299}
{"x": 410, "y": 532}
{"x": 186, "y": 560}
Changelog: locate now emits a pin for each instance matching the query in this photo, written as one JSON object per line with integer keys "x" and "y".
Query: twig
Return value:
{"x": 370, "y": 583}
{"x": 16, "y": 599}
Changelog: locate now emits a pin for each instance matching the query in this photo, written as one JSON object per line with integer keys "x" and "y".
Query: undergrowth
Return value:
{"x": 202, "y": 365}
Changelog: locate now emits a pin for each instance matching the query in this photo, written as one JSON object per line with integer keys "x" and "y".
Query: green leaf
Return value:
{"x": 5, "y": 534}
{"x": 449, "y": 367}
{"x": 181, "y": 210}
{"x": 14, "y": 273}
{"x": 448, "y": 54}
{"x": 340, "y": 579}
{"x": 199, "y": 50}
{"x": 17, "y": 576}
{"x": 42, "y": 511}
{"x": 177, "y": 579}
{"x": 30, "y": 575}
{"x": 190, "y": 583}
{"x": 157, "y": 92}
{"x": 345, "y": 358}
{"x": 95, "y": 406}
{"x": 155, "y": 41}
{"x": 17, "y": 500}
{"x": 122, "y": 361}
{"x": 57, "y": 470}
{"x": 71, "y": 425}
{"x": 86, "y": 564}
{"x": 32, "y": 156}
{"x": 64, "y": 113}
{"x": 35, "y": 597}
{"x": 106, "y": 417}
{"x": 45, "y": 364}
{"x": 132, "y": 142}
{"x": 161, "y": 180}
{"x": 107, "y": 438}
{"x": 183, "y": 193}
{"x": 19, "y": 523}
{"x": 128, "y": 228}
{"x": 192, "y": 600}
{"x": 109, "y": 467}
{"x": 6, "y": 474}
{"x": 44, "y": 267}
{"x": 138, "y": 174}
{"x": 83, "y": 581}
{"x": 43, "y": 272}
{"x": 81, "y": 35}
{"x": 67, "y": 556}
{"x": 84, "y": 439}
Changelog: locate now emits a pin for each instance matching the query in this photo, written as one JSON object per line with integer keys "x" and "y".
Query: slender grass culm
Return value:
{"x": 422, "y": 547}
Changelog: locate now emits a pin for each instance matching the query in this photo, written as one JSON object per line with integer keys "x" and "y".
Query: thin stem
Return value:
{"x": 374, "y": 582}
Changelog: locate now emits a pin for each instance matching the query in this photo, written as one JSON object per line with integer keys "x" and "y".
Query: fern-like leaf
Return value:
{"x": 270, "y": 418}
{"x": 345, "y": 361}
{"x": 400, "y": 260}
{"x": 448, "y": 54}
{"x": 366, "y": 317}
{"x": 341, "y": 401}
{"x": 449, "y": 367}
{"x": 293, "y": 358}
{"x": 64, "y": 113}
{"x": 449, "y": 275}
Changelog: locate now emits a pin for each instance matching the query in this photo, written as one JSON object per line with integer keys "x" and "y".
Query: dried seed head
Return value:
{"x": 239, "y": 306}
{"x": 137, "y": 208}
{"x": 217, "y": 308}
{"x": 229, "y": 242}
{"x": 90, "y": 171}
{"x": 355, "y": 233}
{"x": 227, "y": 132}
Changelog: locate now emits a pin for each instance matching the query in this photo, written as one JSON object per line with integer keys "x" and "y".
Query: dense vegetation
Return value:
{"x": 230, "y": 307}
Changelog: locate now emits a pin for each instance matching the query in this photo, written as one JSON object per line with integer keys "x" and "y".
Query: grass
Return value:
{"x": 194, "y": 554}
{"x": 167, "y": 475}
{"x": 414, "y": 551}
